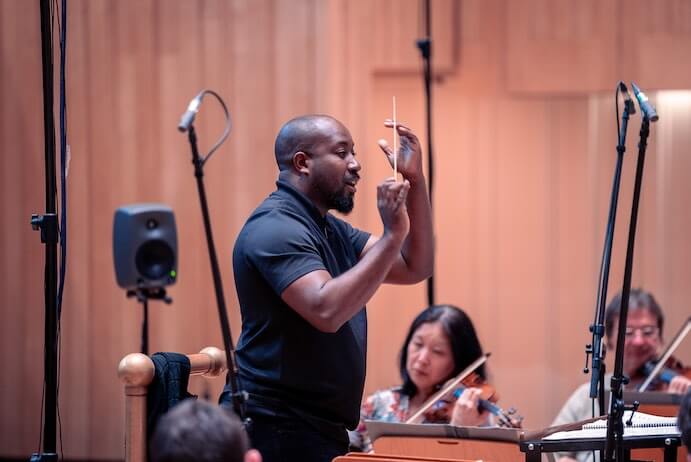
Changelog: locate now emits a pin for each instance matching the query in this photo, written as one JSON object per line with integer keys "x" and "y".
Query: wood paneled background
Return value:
{"x": 524, "y": 131}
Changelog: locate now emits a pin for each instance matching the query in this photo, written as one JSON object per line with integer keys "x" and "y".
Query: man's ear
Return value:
{"x": 301, "y": 162}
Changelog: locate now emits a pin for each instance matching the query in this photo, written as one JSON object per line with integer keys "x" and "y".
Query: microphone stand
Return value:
{"x": 239, "y": 397}
{"x": 597, "y": 379}
{"x": 425, "y": 47}
{"x": 614, "y": 448}
{"x": 143, "y": 296}
{"x": 48, "y": 225}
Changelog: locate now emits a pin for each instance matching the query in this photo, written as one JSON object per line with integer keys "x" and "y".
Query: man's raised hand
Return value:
{"x": 409, "y": 161}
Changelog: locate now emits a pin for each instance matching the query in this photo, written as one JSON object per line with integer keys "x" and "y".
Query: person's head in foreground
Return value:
{"x": 197, "y": 431}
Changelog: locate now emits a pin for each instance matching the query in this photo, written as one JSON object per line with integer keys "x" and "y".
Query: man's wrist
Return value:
{"x": 391, "y": 238}
{"x": 416, "y": 180}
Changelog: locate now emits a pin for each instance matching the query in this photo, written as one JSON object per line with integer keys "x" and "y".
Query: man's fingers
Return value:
{"x": 399, "y": 192}
{"x": 403, "y": 191}
{"x": 388, "y": 152}
{"x": 405, "y": 132}
{"x": 393, "y": 194}
{"x": 399, "y": 127}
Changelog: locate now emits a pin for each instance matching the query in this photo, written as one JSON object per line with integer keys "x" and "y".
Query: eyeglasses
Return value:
{"x": 645, "y": 331}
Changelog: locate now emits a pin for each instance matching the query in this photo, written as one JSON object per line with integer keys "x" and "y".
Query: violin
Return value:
{"x": 437, "y": 408}
{"x": 664, "y": 375}
{"x": 442, "y": 409}
{"x": 667, "y": 367}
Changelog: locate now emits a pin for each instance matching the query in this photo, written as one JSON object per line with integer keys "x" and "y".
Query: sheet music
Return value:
{"x": 642, "y": 425}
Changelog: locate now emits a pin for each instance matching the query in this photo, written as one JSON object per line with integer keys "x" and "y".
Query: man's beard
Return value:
{"x": 342, "y": 202}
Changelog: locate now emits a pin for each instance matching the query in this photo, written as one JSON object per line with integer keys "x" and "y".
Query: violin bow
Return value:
{"x": 678, "y": 338}
{"x": 448, "y": 387}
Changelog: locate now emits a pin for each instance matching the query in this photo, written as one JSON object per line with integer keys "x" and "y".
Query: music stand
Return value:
{"x": 447, "y": 441}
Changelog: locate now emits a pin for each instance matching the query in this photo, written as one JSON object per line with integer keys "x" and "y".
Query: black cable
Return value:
{"x": 226, "y": 131}
{"x": 425, "y": 47}
{"x": 62, "y": 451}
{"x": 616, "y": 106}
{"x": 63, "y": 157}
{"x": 40, "y": 422}
{"x": 48, "y": 225}
{"x": 602, "y": 263}
{"x": 63, "y": 206}
{"x": 45, "y": 346}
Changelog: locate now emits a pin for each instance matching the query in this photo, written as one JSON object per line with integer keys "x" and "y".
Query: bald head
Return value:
{"x": 300, "y": 134}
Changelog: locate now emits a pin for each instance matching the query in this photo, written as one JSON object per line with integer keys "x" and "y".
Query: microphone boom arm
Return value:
{"x": 239, "y": 397}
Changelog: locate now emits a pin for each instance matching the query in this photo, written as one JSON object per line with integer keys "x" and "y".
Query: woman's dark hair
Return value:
{"x": 465, "y": 345}
{"x": 638, "y": 299}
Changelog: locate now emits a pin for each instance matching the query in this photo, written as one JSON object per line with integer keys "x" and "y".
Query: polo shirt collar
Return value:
{"x": 287, "y": 190}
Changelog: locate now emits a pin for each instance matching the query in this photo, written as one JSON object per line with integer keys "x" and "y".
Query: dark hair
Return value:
{"x": 465, "y": 345}
{"x": 638, "y": 299}
{"x": 197, "y": 431}
{"x": 684, "y": 420}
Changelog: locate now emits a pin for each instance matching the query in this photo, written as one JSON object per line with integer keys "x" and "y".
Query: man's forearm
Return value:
{"x": 418, "y": 247}
{"x": 333, "y": 302}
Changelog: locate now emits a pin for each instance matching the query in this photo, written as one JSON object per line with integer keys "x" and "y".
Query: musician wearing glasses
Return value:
{"x": 643, "y": 344}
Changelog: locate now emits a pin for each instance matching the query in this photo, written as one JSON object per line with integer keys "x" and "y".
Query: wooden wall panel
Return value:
{"x": 76, "y": 387}
{"x": 645, "y": 30}
{"x": 561, "y": 46}
{"x": 668, "y": 261}
{"x": 573, "y": 253}
{"x": 400, "y": 23}
{"x": 523, "y": 177}
{"x": 522, "y": 244}
{"x": 576, "y": 48}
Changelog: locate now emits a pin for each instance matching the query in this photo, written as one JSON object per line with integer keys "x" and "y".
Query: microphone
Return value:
{"x": 646, "y": 108}
{"x": 628, "y": 102}
{"x": 189, "y": 115}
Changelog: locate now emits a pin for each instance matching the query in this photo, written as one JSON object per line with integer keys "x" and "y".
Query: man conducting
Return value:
{"x": 303, "y": 277}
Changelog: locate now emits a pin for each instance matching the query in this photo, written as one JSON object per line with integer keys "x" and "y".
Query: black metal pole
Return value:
{"x": 238, "y": 397}
{"x": 598, "y": 328}
{"x": 615, "y": 426}
{"x": 145, "y": 327}
{"x": 48, "y": 225}
{"x": 425, "y": 47}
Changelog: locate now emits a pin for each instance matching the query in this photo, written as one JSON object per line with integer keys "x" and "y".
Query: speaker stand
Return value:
{"x": 143, "y": 297}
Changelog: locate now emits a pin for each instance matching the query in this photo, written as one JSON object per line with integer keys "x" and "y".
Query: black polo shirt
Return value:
{"x": 288, "y": 366}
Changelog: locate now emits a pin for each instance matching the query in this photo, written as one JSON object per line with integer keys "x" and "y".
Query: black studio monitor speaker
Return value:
{"x": 145, "y": 246}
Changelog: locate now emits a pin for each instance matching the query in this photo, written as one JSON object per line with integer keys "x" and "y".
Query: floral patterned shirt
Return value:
{"x": 385, "y": 405}
{"x": 390, "y": 405}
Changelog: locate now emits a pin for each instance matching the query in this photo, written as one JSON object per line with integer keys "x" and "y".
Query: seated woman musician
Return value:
{"x": 440, "y": 343}
{"x": 642, "y": 346}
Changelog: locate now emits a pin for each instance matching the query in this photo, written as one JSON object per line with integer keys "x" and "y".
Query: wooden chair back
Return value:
{"x": 136, "y": 371}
